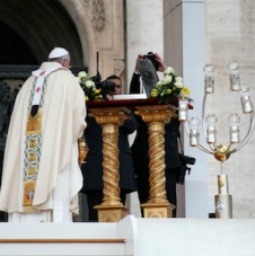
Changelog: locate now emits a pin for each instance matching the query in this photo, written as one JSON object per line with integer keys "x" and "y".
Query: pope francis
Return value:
{"x": 41, "y": 175}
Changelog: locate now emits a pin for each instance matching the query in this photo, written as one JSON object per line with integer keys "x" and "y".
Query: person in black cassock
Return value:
{"x": 93, "y": 171}
{"x": 140, "y": 147}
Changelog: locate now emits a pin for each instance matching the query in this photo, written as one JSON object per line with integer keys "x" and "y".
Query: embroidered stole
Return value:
{"x": 33, "y": 141}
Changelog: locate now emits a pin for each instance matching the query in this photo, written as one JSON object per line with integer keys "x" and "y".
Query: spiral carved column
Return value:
{"x": 157, "y": 165}
{"x": 110, "y": 164}
{"x": 156, "y": 117}
{"x": 111, "y": 209}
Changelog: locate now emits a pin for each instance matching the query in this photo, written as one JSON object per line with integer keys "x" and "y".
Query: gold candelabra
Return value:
{"x": 221, "y": 152}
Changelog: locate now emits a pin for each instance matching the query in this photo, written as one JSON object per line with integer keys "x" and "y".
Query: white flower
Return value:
{"x": 169, "y": 71}
{"x": 179, "y": 82}
{"x": 185, "y": 92}
{"x": 168, "y": 79}
{"x": 89, "y": 84}
{"x": 82, "y": 74}
{"x": 159, "y": 84}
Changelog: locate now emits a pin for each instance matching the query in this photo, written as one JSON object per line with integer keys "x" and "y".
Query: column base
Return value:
{"x": 111, "y": 213}
{"x": 223, "y": 206}
{"x": 158, "y": 210}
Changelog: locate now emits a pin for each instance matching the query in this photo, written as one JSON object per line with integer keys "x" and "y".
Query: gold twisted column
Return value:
{"x": 110, "y": 164}
{"x": 156, "y": 117}
{"x": 157, "y": 165}
{"x": 111, "y": 209}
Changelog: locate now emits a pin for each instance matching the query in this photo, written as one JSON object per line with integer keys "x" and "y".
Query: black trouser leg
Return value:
{"x": 3, "y": 215}
{"x": 143, "y": 186}
{"x": 123, "y": 197}
{"x": 171, "y": 175}
{"x": 94, "y": 198}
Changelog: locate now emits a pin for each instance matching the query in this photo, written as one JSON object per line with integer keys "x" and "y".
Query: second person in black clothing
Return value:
{"x": 140, "y": 148}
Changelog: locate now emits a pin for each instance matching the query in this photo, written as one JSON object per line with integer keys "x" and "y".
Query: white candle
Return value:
{"x": 234, "y": 81}
{"x": 209, "y": 78}
{"x": 194, "y": 131}
{"x": 194, "y": 137}
{"x": 211, "y": 131}
{"x": 183, "y": 109}
{"x": 209, "y": 84}
{"x": 234, "y": 134}
{"x": 234, "y": 78}
{"x": 246, "y": 104}
{"x": 211, "y": 134}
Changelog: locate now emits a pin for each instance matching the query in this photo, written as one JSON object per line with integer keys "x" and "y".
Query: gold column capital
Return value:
{"x": 115, "y": 116}
{"x": 156, "y": 113}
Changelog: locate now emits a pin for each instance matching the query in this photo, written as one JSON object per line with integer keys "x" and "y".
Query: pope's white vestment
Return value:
{"x": 59, "y": 178}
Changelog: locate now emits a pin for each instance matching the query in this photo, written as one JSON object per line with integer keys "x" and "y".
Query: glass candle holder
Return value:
{"x": 209, "y": 78}
{"x": 234, "y": 77}
{"x": 211, "y": 129}
{"x": 194, "y": 133}
{"x": 246, "y": 101}
{"x": 234, "y": 132}
{"x": 183, "y": 109}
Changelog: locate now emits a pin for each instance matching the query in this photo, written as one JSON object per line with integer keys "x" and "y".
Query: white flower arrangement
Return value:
{"x": 170, "y": 87}
{"x": 89, "y": 87}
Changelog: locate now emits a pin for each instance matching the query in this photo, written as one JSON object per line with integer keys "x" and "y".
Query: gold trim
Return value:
{"x": 33, "y": 131}
{"x": 83, "y": 150}
{"x": 29, "y": 189}
{"x": 34, "y": 123}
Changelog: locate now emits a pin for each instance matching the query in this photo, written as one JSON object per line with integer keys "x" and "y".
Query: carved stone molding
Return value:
{"x": 98, "y": 15}
{"x": 101, "y": 30}
{"x": 118, "y": 67}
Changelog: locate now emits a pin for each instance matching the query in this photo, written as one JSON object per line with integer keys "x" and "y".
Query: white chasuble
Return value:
{"x": 57, "y": 177}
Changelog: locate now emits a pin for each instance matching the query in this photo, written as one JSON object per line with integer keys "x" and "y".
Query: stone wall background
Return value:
{"x": 230, "y": 34}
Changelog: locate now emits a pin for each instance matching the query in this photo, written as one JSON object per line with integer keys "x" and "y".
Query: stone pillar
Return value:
{"x": 184, "y": 44}
{"x": 144, "y": 30}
